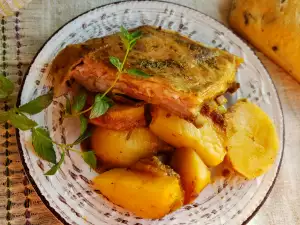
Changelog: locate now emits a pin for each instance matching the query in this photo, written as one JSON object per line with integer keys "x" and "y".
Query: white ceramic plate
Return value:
{"x": 68, "y": 194}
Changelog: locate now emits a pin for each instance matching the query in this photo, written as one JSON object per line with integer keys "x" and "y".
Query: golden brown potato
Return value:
{"x": 123, "y": 148}
{"x": 181, "y": 133}
{"x": 121, "y": 117}
{"x": 194, "y": 174}
{"x": 252, "y": 140}
{"x": 153, "y": 166}
{"x": 145, "y": 195}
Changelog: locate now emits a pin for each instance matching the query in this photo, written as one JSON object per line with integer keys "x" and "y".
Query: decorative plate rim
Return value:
{"x": 26, "y": 169}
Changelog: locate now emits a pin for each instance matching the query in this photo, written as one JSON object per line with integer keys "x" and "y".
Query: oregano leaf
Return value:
{"x": 138, "y": 72}
{"x": 79, "y": 101}
{"x": 37, "y": 105}
{"x": 132, "y": 44}
{"x": 83, "y": 124}
{"x": 136, "y": 35}
{"x": 20, "y": 121}
{"x": 100, "y": 106}
{"x": 90, "y": 158}
{"x": 124, "y": 33}
{"x": 43, "y": 145}
{"x": 56, "y": 167}
{"x": 116, "y": 62}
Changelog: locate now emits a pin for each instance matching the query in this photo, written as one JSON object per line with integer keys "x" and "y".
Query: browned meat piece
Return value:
{"x": 64, "y": 61}
{"x": 185, "y": 73}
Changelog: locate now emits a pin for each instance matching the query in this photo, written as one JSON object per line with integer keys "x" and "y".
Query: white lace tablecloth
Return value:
{"x": 23, "y": 34}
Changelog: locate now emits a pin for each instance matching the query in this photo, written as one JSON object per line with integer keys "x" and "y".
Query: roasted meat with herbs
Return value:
{"x": 184, "y": 73}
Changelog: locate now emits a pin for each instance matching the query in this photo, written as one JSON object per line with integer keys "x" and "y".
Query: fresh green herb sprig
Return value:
{"x": 41, "y": 140}
{"x": 129, "y": 40}
{"x": 43, "y": 145}
{"x": 102, "y": 103}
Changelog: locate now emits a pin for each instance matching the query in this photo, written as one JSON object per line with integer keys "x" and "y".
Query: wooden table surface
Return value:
{"x": 25, "y": 32}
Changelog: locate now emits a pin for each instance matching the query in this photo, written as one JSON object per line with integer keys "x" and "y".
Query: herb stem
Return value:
{"x": 62, "y": 146}
{"x": 118, "y": 73}
{"x": 80, "y": 113}
{"x": 65, "y": 147}
{"x": 74, "y": 150}
{"x": 77, "y": 114}
{"x": 124, "y": 59}
{"x": 113, "y": 84}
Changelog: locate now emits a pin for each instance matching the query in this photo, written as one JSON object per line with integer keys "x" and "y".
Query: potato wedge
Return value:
{"x": 181, "y": 133}
{"x": 252, "y": 140}
{"x": 123, "y": 148}
{"x": 121, "y": 117}
{"x": 147, "y": 196}
{"x": 194, "y": 174}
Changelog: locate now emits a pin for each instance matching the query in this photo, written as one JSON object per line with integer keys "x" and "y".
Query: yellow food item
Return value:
{"x": 123, "y": 148}
{"x": 181, "y": 133}
{"x": 252, "y": 140}
{"x": 121, "y": 117}
{"x": 194, "y": 174}
{"x": 273, "y": 26}
{"x": 145, "y": 195}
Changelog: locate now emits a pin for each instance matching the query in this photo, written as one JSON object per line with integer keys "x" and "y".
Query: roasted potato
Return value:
{"x": 181, "y": 133}
{"x": 147, "y": 196}
{"x": 121, "y": 117}
{"x": 252, "y": 140}
{"x": 153, "y": 166}
{"x": 123, "y": 148}
{"x": 194, "y": 174}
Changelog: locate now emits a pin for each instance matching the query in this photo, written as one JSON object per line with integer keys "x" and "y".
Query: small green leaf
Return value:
{"x": 20, "y": 121}
{"x": 132, "y": 44}
{"x": 56, "y": 167}
{"x": 100, "y": 106}
{"x": 125, "y": 37}
{"x": 124, "y": 33}
{"x": 68, "y": 105}
{"x": 6, "y": 87}
{"x": 136, "y": 35}
{"x": 79, "y": 101}
{"x": 83, "y": 124}
{"x": 37, "y": 105}
{"x": 116, "y": 62}
{"x": 90, "y": 158}
{"x": 138, "y": 72}
{"x": 125, "y": 42}
{"x": 82, "y": 137}
{"x": 4, "y": 116}
{"x": 43, "y": 145}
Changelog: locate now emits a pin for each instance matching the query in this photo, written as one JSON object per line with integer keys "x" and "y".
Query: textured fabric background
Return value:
{"x": 25, "y": 32}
